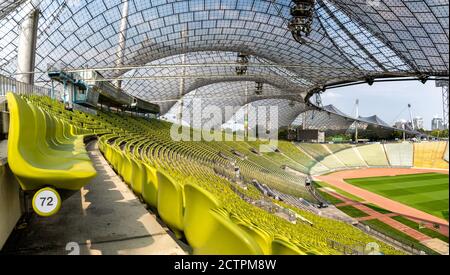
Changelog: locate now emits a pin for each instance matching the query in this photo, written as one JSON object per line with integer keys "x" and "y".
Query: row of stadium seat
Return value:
{"x": 195, "y": 202}
{"x": 44, "y": 150}
{"x": 178, "y": 180}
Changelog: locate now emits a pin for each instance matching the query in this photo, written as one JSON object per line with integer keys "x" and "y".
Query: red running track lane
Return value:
{"x": 385, "y": 218}
{"x": 337, "y": 180}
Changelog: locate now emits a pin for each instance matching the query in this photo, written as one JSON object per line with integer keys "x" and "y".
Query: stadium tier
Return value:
{"x": 374, "y": 155}
{"x": 430, "y": 155}
{"x": 178, "y": 179}
{"x": 351, "y": 157}
{"x": 446, "y": 152}
{"x": 400, "y": 154}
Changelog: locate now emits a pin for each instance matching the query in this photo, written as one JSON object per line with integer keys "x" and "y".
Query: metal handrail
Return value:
{"x": 8, "y": 84}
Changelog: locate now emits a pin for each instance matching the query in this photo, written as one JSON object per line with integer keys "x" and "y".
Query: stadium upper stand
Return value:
{"x": 351, "y": 157}
{"x": 400, "y": 154}
{"x": 446, "y": 152}
{"x": 373, "y": 154}
{"x": 430, "y": 155}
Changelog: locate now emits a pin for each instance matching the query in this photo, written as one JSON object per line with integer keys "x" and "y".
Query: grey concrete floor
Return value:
{"x": 105, "y": 217}
{"x": 3, "y": 151}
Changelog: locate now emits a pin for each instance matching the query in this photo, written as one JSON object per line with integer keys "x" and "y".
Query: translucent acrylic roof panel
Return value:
{"x": 361, "y": 47}
{"x": 7, "y": 6}
{"x": 84, "y": 33}
{"x": 350, "y": 39}
{"x": 416, "y": 30}
{"x": 160, "y": 79}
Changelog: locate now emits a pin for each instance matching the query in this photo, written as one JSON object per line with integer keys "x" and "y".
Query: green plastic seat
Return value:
{"x": 33, "y": 169}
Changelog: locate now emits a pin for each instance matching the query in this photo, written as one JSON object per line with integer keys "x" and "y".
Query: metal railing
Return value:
{"x": 8, "y": 84}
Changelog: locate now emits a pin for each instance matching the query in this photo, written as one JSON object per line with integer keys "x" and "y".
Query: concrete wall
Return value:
{"x": 10, "y": 210}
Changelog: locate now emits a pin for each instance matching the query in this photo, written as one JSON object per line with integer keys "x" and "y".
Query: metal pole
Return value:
{"x": 246, "y": 112}
{"x": 26, "y": 53}
{"x": 122, "y": 39}
{"x": 182, "y": 80}
{"x": 445, "y": 105}
{"x": 411, "y": 116}
{"x": 356, "y": 122}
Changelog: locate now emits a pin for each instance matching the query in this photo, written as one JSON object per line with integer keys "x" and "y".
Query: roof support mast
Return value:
{"x": 444, "y": 85}
{"x": 184, "y": 35}
{"x": 411, "y": 117}
{"x": 356, "y": 122}
{"x": 122, "y": 39}
{"x": 26, "y": 55}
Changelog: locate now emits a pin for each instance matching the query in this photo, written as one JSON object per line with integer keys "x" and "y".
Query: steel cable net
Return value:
{"x": 349, "y": 41}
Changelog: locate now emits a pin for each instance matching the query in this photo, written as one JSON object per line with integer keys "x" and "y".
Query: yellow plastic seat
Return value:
{"x": 282, "y": 246}
{"x": 150, "y": 187}
{"x": 126, "y": 169}
{"x": 139, "y": 175}
{"x": 198, "y": 221}
{"x": 43, "y": 144}
{"x": 33, "y": 169}
{"x": 52, "y": 136}
{"x": 263, "y": 239}
{"x": 228, "y": 239}
{"x": 170, "y": 202}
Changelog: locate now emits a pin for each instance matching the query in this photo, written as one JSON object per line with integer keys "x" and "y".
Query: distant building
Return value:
{"x": 418, "y": 122}
{"x": 437, "y": 123}
{"x": 400, "y": 124}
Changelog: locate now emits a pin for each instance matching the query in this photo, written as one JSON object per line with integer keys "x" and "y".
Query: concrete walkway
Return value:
{"x": 3, "y": 151}
{"x": 105, "y": 217}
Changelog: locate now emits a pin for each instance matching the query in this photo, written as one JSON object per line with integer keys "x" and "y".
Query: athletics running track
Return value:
{"x": 337, "y": 180}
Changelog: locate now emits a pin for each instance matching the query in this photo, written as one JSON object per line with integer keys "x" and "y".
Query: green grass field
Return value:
{"x": 426, "y": 192}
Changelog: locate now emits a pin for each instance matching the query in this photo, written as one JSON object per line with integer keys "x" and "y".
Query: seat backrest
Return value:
{"x": 22, "y": 128}
{"x": 170, "y": 200}
{"x": 40, "y": 122}
{"x": 50, "y": 132}
{"x": 198, "y": 221}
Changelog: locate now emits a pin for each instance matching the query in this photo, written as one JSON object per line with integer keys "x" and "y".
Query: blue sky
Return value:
{"x": 389, "y": 100}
